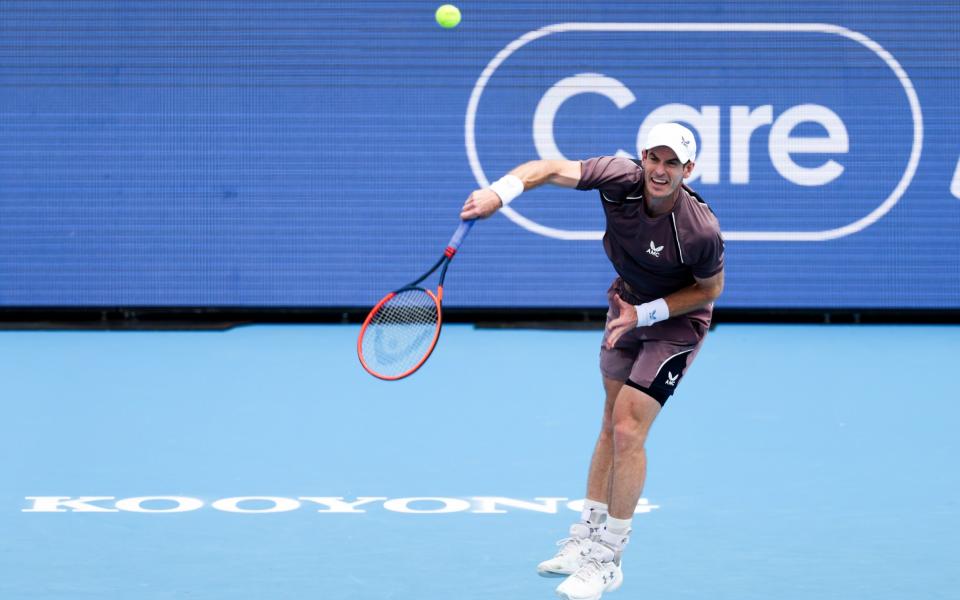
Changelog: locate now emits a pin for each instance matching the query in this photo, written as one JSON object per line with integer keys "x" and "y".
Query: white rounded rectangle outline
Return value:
{"x": 765, "y": 236}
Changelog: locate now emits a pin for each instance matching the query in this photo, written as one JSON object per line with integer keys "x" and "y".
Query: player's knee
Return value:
{"x": 628, "y": 434}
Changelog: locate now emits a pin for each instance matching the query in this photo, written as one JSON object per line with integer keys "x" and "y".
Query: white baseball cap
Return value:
{"x": 676, "y": 137}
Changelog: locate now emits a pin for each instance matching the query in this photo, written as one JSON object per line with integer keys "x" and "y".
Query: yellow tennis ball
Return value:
{"x": 448, "y": 16}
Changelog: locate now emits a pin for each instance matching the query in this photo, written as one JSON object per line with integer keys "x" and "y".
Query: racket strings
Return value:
{"x": 401, "y": 333}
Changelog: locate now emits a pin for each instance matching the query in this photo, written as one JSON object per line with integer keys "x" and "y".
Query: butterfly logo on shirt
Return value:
{"x": 654, "y": 250}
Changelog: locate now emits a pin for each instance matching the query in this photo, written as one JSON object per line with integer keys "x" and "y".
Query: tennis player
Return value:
{"x": 666, "y": 246}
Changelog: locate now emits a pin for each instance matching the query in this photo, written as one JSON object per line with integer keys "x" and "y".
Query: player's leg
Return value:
{"x": 616, "y": 365}
{"x": 653, "y": 378}
{"x": 598, "y": 478}
{"x": 574, "y": 547}
{"x": 633, "y": 414}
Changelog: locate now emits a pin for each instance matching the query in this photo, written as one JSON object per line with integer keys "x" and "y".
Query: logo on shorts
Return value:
{"x": 654, "y": 250}
{"x": 672, "y": 379}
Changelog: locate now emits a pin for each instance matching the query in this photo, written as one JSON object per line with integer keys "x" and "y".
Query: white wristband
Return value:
{"x": 508, "y": 188}
{"x": 652, "y": 312}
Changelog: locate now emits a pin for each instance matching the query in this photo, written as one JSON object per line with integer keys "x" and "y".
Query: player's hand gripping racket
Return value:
{"x": 402, "y": 329}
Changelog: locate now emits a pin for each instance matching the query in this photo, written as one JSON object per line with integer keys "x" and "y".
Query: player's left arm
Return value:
{"x": 696, "y": 296}
{"x": 691, "y": 298}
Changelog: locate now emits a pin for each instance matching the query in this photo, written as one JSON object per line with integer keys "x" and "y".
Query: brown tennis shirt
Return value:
{"x": 660, "y": 255}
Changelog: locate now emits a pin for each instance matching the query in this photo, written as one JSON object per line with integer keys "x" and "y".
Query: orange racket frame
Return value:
{"x": 449, "y": 252}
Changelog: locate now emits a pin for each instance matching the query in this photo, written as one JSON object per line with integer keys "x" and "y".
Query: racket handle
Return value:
{"x": 460, "y": 233}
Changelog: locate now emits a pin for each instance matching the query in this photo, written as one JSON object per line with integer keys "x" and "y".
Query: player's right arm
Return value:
{"x": 483, "y": 203}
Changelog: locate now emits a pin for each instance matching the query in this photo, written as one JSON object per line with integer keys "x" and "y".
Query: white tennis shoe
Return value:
{"x": 598, "y": 573}
{"x": 573, "y": 550}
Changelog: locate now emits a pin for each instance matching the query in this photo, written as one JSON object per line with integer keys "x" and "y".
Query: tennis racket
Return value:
{"x": 402, "y": 330}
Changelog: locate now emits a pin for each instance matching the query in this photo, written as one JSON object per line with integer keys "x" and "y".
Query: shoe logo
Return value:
{"x": 654, "y": 250}
{"x": 672, "y": 379}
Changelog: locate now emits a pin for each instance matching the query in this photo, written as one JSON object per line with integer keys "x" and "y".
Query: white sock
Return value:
{"x": 615, "y": 535}
{"x": 619, "y": 526}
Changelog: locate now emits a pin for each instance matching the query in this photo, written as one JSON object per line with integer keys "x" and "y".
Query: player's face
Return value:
{"x": 662, "y": 172}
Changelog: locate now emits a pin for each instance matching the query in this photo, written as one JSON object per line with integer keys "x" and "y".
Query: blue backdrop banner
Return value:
{"x": 316, "y": 154}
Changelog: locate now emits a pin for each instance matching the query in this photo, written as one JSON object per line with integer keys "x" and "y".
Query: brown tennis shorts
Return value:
{"x": 652, "y": 359}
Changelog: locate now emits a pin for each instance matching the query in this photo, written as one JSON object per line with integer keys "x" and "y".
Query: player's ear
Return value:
{"x": 688, "y": 169}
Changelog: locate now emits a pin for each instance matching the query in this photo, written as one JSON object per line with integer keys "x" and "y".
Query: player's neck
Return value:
{"x": 656, "y": 207}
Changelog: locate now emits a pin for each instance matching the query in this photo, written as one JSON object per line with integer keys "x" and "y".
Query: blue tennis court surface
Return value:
{"x": 795, "y": 462}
